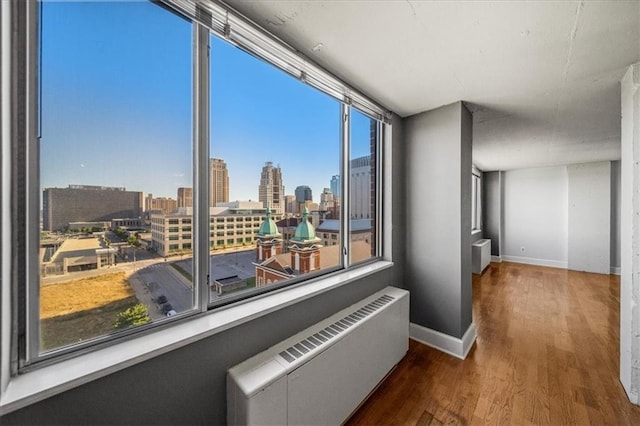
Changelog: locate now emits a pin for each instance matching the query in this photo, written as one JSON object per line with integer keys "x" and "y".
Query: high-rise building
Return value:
{"x": 327, "y": 202}
{"x": 290, "y": 205}
{"x": 185, "y": 197}
{"x": 335, "y": 185}
{"x": 87, "y": 203}
{"x": 360, "y": 183}
{"x": 326, "y": 196}
{"x": 271, "y": 189}
{"x": 218, "y": 182}
{"x": 303, "y": 193}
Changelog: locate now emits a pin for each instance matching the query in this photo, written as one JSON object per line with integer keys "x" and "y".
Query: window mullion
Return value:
{"x": 201, "y": 165}
{"x": 380, "y": 140}
{"x": 31, "y": 343}
{"x": 345, "y": 210}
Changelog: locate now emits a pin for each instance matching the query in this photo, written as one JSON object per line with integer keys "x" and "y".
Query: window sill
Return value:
{"x": 37, "y": 385}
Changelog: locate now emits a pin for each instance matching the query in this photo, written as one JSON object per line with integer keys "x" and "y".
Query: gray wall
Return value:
{"x": 589, "y": 232}
{"x": 492, "y": 209}
{"x": 438, "y": 218}
{"x": 188, "y": 385}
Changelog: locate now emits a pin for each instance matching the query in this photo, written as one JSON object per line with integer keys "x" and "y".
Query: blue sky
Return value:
{"x": 117, "y": 105}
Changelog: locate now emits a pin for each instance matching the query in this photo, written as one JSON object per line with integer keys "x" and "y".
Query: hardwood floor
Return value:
{"x": 546, "y": 353}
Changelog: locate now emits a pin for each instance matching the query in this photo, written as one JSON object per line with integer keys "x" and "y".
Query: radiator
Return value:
{"x": 480, "y": 255}
{"x": 324, "y": 373}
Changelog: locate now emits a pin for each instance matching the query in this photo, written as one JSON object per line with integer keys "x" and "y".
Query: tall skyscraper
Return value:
{"x": 360, "y": 182}
{"x": 303, "y": 193}
{"x": 218, "y": 182}
{"x": 185, "y": 197}
{"x": 335, "y": 185}
{"x": 271, "y": 189}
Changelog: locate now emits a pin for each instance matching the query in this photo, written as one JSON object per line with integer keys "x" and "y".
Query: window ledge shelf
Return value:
{"x": 42, "y": 383}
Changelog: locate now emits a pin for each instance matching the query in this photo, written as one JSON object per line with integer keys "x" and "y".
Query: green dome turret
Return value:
{"x": 305, "y": 232}
{"x": 268, "y": 227}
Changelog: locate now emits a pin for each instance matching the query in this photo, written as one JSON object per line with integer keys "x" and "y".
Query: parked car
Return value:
{"x": 161, "y": 299}
{"x": 171, "y": 313}
{"x": 166, "y": 308}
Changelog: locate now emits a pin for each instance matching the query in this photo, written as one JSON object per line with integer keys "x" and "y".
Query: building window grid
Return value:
{"x": 256, "y": 220}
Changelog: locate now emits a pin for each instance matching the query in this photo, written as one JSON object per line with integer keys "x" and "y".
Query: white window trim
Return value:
{"x": 37, "y": 385}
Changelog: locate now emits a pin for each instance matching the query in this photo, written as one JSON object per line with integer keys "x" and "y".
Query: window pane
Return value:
{"x": 362, "y": 186}
{"x": 476, "y": 202}
{"x": 275, "y": 144}
{"x": 115, "y": 149}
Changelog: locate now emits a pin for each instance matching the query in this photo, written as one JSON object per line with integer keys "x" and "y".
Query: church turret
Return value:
{"x": 268, "y": 241}
{"x": 305, "y": 247}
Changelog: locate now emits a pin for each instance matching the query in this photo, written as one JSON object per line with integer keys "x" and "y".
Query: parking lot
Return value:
{"x": 163, "y": 279}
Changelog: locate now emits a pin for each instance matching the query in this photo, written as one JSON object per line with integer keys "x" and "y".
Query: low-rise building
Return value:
{"x": 231, "y": 224}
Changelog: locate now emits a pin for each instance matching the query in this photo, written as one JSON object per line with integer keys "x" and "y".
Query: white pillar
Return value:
{"x": 630, "y": 235}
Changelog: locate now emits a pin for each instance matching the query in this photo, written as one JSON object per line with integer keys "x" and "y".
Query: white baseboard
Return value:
{"x": 497, "y": 259}
{"x": 615, "y": 270}
{"x": 453, "y": 346}
{"x": 538, "y": 262}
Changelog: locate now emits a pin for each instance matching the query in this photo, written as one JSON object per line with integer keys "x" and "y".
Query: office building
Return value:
{"x": 303, "y": 193}
{"x": 271, "y": 188}
{"x": 185, "y": 197}
{"x": 232, "y": 224}
{"x": 360, "y": 183}
{"x": 335, "y": 185}
{"x": 290, "y": 205}
{"x": 165, "y": 204}
{"x": 88, "y": 203}
{"x": 218, "y": 182}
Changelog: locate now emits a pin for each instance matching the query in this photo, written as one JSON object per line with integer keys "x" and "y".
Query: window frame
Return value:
{"x": 18, "y": 314}
{"x": 476, "y": 201}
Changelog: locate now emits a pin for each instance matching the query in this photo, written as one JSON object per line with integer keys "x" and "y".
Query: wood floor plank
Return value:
{"x": 547, "y": 352}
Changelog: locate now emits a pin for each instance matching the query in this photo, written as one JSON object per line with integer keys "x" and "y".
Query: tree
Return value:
{"x": 135, "y": 315}
{"x": 133, "y": 241}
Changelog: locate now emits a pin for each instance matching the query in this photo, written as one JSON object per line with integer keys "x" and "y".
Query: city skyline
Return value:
{"x": 116, "y": 137}
{"x": 183, "y": 193}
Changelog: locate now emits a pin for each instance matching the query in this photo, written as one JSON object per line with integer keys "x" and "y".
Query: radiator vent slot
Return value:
{"x": 323, "y": 373}
{"x": 334, "y": 330}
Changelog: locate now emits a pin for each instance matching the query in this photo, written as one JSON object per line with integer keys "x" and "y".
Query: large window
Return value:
{"x": 270, "y": 136}
{"x": 182, "y": 165}
{"x": 363, "y": 186}
{"x": 115, "y": 145}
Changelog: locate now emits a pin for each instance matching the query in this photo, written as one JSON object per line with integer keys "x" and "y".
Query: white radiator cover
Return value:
{"x": 480, "y": 255}
{"x": 322, "y": 374}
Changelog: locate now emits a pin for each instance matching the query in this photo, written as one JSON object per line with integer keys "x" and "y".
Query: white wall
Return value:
{"x": 536, "y": 216}
{"x": 630, "y": 235}
{"x": 590, "y": 203}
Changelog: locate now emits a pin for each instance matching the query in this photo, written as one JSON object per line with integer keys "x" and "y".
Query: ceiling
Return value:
{"x": 541, "y": 77}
